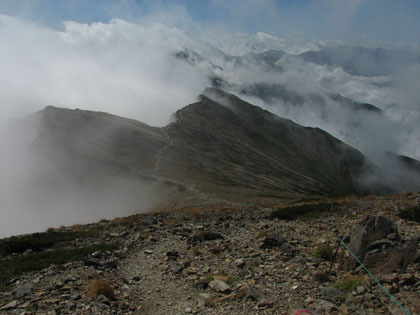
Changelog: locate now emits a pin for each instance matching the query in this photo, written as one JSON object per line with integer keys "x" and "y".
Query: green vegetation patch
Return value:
{"x": 321, "y": 277}
{"x": 40, "y": 241}
{"x": 324, "y": 252}
{"x": 348, "y": 284}
{"x": 411, "y": 214}
{"x": 294, "y": 212}
{"x": 16, "y": 265}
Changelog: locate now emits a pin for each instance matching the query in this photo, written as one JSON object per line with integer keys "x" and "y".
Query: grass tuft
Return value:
{"x": 99, "y": 287}
{"x": 348, "y": 284}
{"x": 411, "y": 214}
{"x": 324, "y": 252}
{"x": 321, "y": 277}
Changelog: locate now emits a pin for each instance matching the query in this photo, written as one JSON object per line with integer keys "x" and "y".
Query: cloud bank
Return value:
{"x": 118, "y": 67}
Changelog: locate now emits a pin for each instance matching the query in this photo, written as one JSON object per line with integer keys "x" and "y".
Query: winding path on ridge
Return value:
{"x": 158, "y": 157}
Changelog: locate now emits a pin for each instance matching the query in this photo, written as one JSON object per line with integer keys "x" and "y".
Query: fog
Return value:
{"x": 41, "y": 186}
{"x": 118, "y": 67}
{"x": 132, "y": 68}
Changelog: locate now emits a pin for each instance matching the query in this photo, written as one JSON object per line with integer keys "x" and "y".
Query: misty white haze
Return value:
{"x": 133, "y": 69}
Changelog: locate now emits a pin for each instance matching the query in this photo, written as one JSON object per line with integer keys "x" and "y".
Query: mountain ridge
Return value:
{"x": 219, "y": 147}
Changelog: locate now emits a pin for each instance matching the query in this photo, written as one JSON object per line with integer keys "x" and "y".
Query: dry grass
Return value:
{"x": 130, "y": 220}
{"x": 196, "y": 251}
{"x": 168, "y": 222}
{"x": 98, "y": 287}
{"x": 78, "y": 227}
{"x": 194, "y": 213}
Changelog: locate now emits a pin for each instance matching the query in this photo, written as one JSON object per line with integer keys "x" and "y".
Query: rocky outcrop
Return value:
{"x": 376, "y": 242}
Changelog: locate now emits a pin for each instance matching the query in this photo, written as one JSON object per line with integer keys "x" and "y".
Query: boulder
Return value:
{"x": 376, "y": 242}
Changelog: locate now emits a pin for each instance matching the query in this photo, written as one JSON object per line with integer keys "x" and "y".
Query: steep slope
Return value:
{"x": 241, "y": 146}
{"x": 88, "y": 144}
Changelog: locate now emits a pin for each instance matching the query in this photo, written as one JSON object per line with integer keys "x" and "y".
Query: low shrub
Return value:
{"x": 15, "y": 266}
{"x": 348, "y": 284}
{"x": 39, "y": 241}
{"x": 98, "y": 287}
{"x": 411, "y": 214}
{"x": 294, "y": 212}
{"x": 324, "y": 252}
{"x": 321, "y": 277}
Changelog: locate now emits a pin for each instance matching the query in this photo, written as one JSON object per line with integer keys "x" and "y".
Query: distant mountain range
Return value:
{"x": 220, "y": 147}
{"x": 274, "y": 61}
{"x": 362, "y": 61}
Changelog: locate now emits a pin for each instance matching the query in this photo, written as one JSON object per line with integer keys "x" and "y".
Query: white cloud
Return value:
{"x": 123, "y": 68}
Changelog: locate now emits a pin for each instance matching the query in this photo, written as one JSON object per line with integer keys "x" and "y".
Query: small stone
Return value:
{"x": 120, "y": 254}
{"x": 330, "y": 292}
{"x": 360, "y": 290}
{"x": 201, "y": 284}
{"x": 240, "y": 263}
{"x": 192, "y": 277}
{"x": 389, "y": 278}
{"x": 369, "y": 296}
{"x": 225, "y": 298}
{"x": 175, "y": 268}
{"x": 24, "y": 290}
{"x": 9, "y": 306}
{"x": 407, "y": 279}
{"x": 221, "y": 278}
{"x": 148, "y": 251}
{"x": 92, "y": 272}
{"x": 206, "y": 236}
{"x": 252, "y": 294}
{"x": 219, "y": 286}
{"x": 273, "y": 241}
{"x": 191, "y": 272}
{"x": 96, "y": 254}
{"x": 172, "y": 255}
{"x": 102, "y": 299}
{"x": 92, "y": 261}
{"x": 265, "y": 302}
{"x": 325, "y": 305}
{"x": 205, "y": 299}
{"x": 110, "y": 264}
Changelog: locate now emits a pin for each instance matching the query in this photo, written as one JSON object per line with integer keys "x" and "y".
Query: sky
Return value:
{"x": 388, "y": 20}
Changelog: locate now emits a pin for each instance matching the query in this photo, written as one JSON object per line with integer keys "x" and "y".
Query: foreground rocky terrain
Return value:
{"x": 221, "y": 260}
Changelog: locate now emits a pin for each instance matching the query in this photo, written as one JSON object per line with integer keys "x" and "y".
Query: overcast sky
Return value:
{"x": 390, "y": 20}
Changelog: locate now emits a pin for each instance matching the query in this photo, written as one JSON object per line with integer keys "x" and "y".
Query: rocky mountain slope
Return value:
{"x": 220, "y": 148}
{"x": 223, "y": 260}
